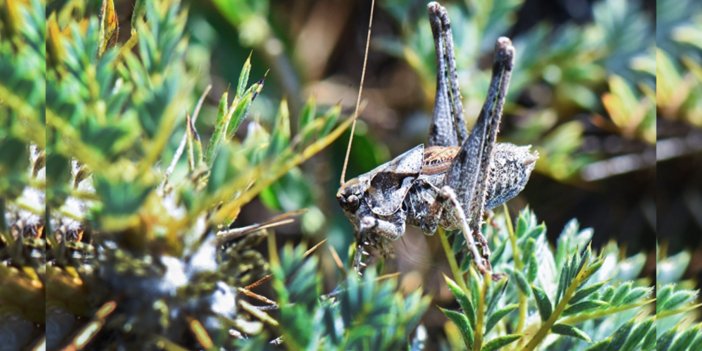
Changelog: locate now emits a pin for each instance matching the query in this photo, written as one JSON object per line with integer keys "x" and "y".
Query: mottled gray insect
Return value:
{"x": 450, "y": 182}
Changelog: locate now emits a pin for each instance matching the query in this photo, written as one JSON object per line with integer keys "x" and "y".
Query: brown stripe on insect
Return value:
{"x": 437, "y": 159}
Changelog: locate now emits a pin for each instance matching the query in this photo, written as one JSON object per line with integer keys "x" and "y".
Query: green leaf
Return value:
{"x": 677, "y": 299}
{"x": 697, "y": 343}
{"x": 218, "y": 171}
{"x": 569, "y": 330}
{"x": 109, "y": 26}
{"x": 498, "y": 315}
{"x": 684, "y": 340}
{"x": 194, "y": 145}
{"x": 620, "y": 293}
{"x": 280, "y": 137}
{"x": 666, "y": 340}
{"x": 584, "y": 306}
{"x": 221, "y": 123}
{"x": 462, "y": 323}
{"x": 497, "y": 254}
{"x": 638, "y": 335}
{"x": 619, "y": 337}
{"x": 330, "y": 118}
{"x": 462, "y": 298}
{"x": 137, "y": 13}
{"x": 499, "y": 342}
{"x": 309, "y": 111}
{"x": 599, "y": 346}
{"x": 243, "y": 77}
{"x": 542, "y": 302}
{"x": 496, "y": 291}
{"x": 121, "y": 197}
{"x": 563, "y": 279}
{"x": 532, "y": 267}
{"x": 584, "y": 292}
{"x": 635, "y": 294}
{"x": 522, "y": 282}
{"x": 241, "y": 108}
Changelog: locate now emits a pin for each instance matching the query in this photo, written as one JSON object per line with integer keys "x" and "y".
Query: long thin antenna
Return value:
{"x": 360, "y": 92}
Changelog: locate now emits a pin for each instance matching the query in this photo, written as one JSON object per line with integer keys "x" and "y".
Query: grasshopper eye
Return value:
{"x": 352, "y": 202}
{"x": 349, "y": 202}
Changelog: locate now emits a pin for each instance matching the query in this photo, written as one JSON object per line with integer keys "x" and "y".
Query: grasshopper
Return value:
{"x": 451, "y": 181}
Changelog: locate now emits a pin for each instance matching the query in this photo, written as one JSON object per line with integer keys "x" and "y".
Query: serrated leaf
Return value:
{"x": 499, "y": 342}
{"x": 569, "y": 330}
{"x": 542, "y": 302}
{"x": 498, "y": 315}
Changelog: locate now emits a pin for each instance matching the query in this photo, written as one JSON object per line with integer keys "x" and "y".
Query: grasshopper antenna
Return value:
{"x": 360, "y": 92}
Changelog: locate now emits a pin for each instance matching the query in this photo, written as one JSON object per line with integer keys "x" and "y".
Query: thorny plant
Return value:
{"x": 452, "y": 181}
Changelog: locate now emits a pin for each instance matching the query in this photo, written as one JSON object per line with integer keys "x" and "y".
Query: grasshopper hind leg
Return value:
{"x": 448, "y": 127}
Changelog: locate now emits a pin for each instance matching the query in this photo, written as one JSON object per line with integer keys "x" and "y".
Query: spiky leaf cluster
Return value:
{"x": 553, "y": 299}
{"x": 137, "y": 248}
{"x": 361, "y": 313}
{"x": 22, "y": 177}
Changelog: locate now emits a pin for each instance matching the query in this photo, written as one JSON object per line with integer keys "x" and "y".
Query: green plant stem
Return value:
{"x": 455, "y": 271}
{"x": 480, "y": 314}
{"x": 519, "y": 265}
{"x": 545, "y": 327}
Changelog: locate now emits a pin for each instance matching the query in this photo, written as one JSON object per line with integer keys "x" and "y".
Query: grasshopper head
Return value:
{"x": 351, "y": 194}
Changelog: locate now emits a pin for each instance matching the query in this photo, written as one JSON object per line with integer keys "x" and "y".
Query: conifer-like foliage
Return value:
{"x": 562, "y": 298}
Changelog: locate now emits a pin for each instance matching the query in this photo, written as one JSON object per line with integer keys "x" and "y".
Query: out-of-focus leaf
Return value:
{"x": 109, "y": 26}
{"x": 569, "y": 330}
